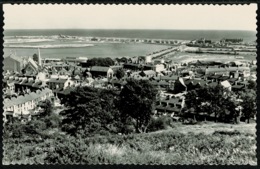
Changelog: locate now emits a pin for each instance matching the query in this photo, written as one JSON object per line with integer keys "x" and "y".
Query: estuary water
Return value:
{"x": 26, "y": 42}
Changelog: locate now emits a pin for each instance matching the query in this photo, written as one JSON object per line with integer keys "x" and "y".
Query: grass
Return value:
{"x": 212, "y": 143}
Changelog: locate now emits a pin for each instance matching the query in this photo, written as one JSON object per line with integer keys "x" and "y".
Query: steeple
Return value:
{"x": 39, "y": 58}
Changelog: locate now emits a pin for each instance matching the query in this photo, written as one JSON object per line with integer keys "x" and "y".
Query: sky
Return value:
{"x": 211, "y": 17}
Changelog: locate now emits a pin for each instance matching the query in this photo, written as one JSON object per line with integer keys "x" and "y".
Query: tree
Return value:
{"x": 137, "y": 101}
{"x": 89, "y": 110}
{"x": 213, "y": 100}
{"x": 47, "y": 108}
{"x": 120, "y": 73}
{"x": 82, "y": 108}
{"x": 251, "y": 85}
{"x": 35, "y": 57}
{"x": 248, "y": 104}
{"x": 109, "y": 116}
{"x": 100, "y": 62}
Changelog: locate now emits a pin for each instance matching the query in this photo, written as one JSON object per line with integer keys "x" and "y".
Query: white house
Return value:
{"x": 22, "y": 105}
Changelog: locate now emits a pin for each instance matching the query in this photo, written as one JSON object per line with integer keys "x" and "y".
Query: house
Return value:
{"x": 194, "y": 83}
{"x": 169, "y": 78}
{"x": 147, "y": 73}
{"x": 217, "y": 71}
{"x": 131, "y": 66}
{"x": 20, "y": 84}
{"x": 226, "y": 85}
{"x": 170, "y": 104}
{"x": 13, "y": 63}
{"x": 97, "y": 71}
{"x": 59, "y": 83}
{"x": 226, "y": 71}
{"x": 24, "y": 104}
{"x": 156, "y": 68}
{"x": 9, "y": 87}
{"x": 31, "y": 67}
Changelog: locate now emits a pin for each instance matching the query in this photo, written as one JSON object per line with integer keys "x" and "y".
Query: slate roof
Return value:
{"x": 215, "y": 76}
{"x": 27, "y": 97}
{"x": 163, "y": 82}
{"x": 57, "y": 80}
{"x": 99, "y": 69}
{"x": 39, "y": 84}
{"x": 232, "y": 79}
{"x": 224, "y": 78}
{"x": 149, "y": 72}
{"x": 16, "y": 58}
{"x": 213, "y": 84}
{"x": 169, "y": 77}
{"x": 230, "y": 69}
{"x": 238, "y": 86}
{"x": 172, "y": 109}
{"x": 33, "y": 63}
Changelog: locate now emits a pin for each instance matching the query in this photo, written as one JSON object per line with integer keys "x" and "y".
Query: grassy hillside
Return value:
{"x": 199, "y": 144}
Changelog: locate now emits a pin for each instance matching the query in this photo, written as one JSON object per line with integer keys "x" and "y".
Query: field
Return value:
{"x": 207, "y": 143}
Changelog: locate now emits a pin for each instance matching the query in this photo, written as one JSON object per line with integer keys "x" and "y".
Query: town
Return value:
{"x": 127, "y": 84}
{"x": 30, "y": 80}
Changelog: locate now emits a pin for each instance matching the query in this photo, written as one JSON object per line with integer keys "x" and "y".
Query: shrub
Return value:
{"x": 160, "y": 123}
{"x": 52, "y": 121}
{"x": 227, "y": 132}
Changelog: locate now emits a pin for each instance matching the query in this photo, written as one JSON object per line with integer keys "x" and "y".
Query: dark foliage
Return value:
{"x": 159, "y": 123}
{"x": 35, "y": 58}
{"x": 215, "y": 101}
{"x": 248, "y": 104}
{"x": 100, "y": 62}
{"x": 120, "y": 73}
{"x": 90, "y": 110}
{"x": 137, "y": 100}
{"x": 251, "y": 85}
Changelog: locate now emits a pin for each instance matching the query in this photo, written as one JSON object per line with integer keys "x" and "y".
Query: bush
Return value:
{"x": 160, "y": 123}
{"x": 227, "y": 132}
{"x": 52, "y": 121}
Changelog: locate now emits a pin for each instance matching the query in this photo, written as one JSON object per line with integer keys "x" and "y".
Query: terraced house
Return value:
{"x": 24, "y": 104}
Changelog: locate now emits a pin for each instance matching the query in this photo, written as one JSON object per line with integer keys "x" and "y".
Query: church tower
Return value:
{"x": 39, "y": 58}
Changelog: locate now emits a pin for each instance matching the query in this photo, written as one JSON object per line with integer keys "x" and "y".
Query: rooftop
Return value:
{"x": 99, "y": 68}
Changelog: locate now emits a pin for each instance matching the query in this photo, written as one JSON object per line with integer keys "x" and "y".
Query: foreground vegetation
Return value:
{"x": 165, "y": 147}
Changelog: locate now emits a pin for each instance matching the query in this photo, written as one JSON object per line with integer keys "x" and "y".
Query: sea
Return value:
{"x": 26, "y": 42}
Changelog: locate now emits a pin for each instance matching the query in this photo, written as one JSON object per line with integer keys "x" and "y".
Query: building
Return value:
{"x": 145, "y": 59}
{"x": 76, "y": 59}
{"x": 244, "y": 71}
{"x": 31, "y": 67}
{"x": 97, "y": 71}
{"x": 8, "y": 87}
{"x": 170, "y": 104}
{"x": 156, "y": 68}
{"x": 59, "y": 83}
{"x": 226, "y": 85}
{"x": 13, "y": 63}
{"x": 132, "y": 66}
{"x": 24, "y": 104}
{"x": 147, "y": 73}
